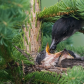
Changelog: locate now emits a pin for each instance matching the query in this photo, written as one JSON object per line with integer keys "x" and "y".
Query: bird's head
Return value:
{"x": 48, "y": 59}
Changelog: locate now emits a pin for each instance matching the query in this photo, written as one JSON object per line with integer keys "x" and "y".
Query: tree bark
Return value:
{"x": 72, "y": 62}
{"x": 32, "y": 42}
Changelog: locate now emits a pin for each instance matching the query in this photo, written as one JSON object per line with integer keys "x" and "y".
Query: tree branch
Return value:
{"x": 25, "y": 54}
{"x": 72, "y": 62}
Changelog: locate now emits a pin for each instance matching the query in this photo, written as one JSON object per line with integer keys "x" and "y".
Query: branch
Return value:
{"x": 81, "y": 31}
{"x": 23, "y": 68}
{"x": 25, "y": 54}
{"x": 72, "y": 62}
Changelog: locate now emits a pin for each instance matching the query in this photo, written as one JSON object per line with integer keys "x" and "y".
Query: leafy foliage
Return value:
{"x": 18, "y": 41}
{"x": 72, "y": 76}
{"x": 45, "y": 78}
{"x": 4, "y": 76}
{"x": 47, "y": 28}
{"x": 46, "y": 39}
{"x": 75, "y": 75}
{"x": 80, "y": 5}
{"x": 12, "y": 17}
{"x": 64, "y": 7}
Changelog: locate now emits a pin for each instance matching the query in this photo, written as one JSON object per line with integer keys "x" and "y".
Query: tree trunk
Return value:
{"x": 32, "y": 34}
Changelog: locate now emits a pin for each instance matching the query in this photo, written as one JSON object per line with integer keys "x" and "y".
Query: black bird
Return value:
{"x": 64, "y": 28}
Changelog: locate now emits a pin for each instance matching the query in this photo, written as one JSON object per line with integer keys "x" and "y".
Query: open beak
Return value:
{"x": 48, "y": 51}
{"x": 47, "y": 48}
{"x": 59, "y": 54}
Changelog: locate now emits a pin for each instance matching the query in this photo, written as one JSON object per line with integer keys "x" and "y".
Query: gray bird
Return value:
{"x": 63, "y": 28}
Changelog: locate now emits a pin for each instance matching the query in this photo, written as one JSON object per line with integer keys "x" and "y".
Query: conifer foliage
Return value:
{"x": 12, "y": 16}
{"x": 64, "y": 7}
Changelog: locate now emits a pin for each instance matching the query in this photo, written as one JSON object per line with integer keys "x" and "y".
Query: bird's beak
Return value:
{"x": 48, "y": 51}
{"x": 47, "y": 48}
{"x": 63, "y": 53}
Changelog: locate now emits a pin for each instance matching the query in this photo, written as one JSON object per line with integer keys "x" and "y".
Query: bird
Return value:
{"x": 63, "y": 28}
{"x": 47, "y": 59}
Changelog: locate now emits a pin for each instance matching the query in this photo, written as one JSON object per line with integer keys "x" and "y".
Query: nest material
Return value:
{"x": 63, "y": 66}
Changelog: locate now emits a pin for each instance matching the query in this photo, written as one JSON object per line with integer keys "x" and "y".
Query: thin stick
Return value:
{"x": 26, "y": 55}
{"x": 23, "y": 67}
